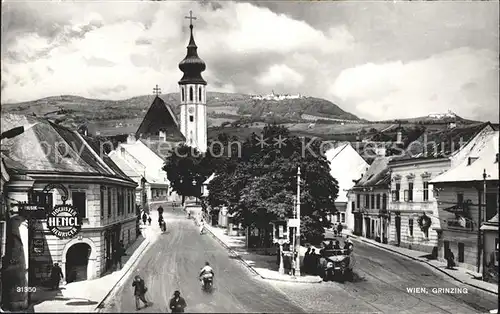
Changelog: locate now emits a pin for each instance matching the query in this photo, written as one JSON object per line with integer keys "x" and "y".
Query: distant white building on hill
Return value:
{"x": 277, "y": 97}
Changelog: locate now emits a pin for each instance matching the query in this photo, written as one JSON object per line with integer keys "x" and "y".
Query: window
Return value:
{"x": 342, "y": 218}
{"x": 395, "y": 193}
{"x": 80, "y": 202}
{"x": 182, "y": 94}
{"x": 102, "y": 201}
{"x": 110, "y": 201}
{"x": 461, "y": 249}
{"x": 410, "y": 192}
{"x": 352, "y": 205}
{"x": 358, "y": 201}
{"x": 199, "y": 93}
{"x": 191, "y": 94}
{"x": 406, "y": 195}
{"x": 129, "y": 210}
{"x": 121, "y": 202}
{"x": 410, "y": 226}
{"x": 384, "y": 201}
{"x": 367, "y": 201}
{"x": 38, "y": 197}
{"x": 460, "y": 199}
{"x": 373, "y": 201}
{"x": 426, "y": 191}
{"x": 378, "y": 201}
{"x": 191, "y": 118}
{"x": 491, "y": 205}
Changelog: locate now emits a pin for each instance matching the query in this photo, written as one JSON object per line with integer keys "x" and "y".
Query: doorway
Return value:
{"x": 398, "y": 229}
{"x": 77, "y": 260}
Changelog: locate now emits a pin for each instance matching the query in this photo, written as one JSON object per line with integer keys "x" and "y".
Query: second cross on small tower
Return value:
{"x": 157, "y": 90}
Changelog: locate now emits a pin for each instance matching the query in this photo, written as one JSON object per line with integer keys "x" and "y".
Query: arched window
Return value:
{"x": 182, "y": 93}
{"x": 191, "y": 93}
{"x": 199, "y": 93}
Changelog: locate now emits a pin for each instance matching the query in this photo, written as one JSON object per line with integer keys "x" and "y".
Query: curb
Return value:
{"x": 425, "y": 262}
{"x": 126, "y": 270}
{"x": 233, "y": 252}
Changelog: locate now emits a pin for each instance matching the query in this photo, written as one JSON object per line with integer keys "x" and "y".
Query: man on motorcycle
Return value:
{"x": 206, "y": 272}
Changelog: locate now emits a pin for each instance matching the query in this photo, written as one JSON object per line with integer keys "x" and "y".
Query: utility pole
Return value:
{"x": 485, "y": 218}
{"x": 297, "y": 233}
{"x": 482, "y": 200}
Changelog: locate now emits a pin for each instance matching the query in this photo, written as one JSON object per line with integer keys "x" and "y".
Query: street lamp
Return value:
{"x": 297, "y": 232}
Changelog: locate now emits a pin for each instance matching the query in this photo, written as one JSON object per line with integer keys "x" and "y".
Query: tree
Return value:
{"x": 183, "y": 166}
{"x": 260, "y": 185}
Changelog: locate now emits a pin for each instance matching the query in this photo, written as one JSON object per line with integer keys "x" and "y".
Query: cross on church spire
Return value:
{"x": 157, "y": 90}
{"x": 191, "y": 18}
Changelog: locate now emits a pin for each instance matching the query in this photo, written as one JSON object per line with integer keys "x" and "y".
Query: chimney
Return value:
{"x": 131, "y": 139}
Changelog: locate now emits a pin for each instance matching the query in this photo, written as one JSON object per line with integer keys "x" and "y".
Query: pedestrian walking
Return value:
{"x": 450, "y": 259}
{"x": 202, "y": 225}
{"x": 177, "y": 303}
{"x": 307, "y": 261}
{"x": 149, "y": 220}
{"x": 55, "y": 276}
{"x": 140, "y": 290}
{"x": 314, "y": 262}
{"x": 293, "y": 265}
{"x": 119, "y": 253}
{"x": 160, "y": 211}
{"x": 144, "y": 218}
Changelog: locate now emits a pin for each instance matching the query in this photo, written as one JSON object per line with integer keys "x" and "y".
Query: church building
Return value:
{"x": 161, "y": 130}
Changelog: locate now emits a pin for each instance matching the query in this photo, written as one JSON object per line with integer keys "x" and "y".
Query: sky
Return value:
{"x": 375, "y": 59}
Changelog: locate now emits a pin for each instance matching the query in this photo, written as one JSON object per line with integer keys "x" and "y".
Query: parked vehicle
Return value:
{"x": 336, "y": 264}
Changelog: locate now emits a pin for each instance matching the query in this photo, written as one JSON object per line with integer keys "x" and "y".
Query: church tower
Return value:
{"x": 193, "y": 118}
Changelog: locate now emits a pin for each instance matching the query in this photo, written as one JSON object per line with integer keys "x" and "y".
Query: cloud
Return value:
{"x": 280, "y": 74}
{"x": 461, "y": 80}
{"x": 95, "y": 50}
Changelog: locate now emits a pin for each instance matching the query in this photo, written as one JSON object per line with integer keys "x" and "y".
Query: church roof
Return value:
{"x": 160, "y": 117}
{"x": 192, "y": 65}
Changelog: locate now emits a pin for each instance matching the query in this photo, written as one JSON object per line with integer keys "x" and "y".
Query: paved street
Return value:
{"x": 381, "y": 286}
{"x": 173, "y": 262}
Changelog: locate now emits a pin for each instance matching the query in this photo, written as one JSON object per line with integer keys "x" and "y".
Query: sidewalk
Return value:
{"x": 262, "y": 265}
{"x": 85, "y": 296}
{"x": 461, "y": 275}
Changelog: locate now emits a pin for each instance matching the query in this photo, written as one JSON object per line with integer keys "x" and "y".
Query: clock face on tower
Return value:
{"x": 191, "y": 110}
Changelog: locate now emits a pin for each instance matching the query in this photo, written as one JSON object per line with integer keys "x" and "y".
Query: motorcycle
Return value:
{"x": 207, "y": 280}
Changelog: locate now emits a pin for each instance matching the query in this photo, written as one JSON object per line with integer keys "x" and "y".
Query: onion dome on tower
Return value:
{"x": 192, "y": 65}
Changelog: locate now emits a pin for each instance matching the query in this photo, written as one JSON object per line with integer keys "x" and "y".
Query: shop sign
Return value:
{"x": 63, "y": 221}
{"x": 32, "y": 210}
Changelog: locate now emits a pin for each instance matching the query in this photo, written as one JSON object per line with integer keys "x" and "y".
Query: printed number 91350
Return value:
{"x": 26, "y": 289}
